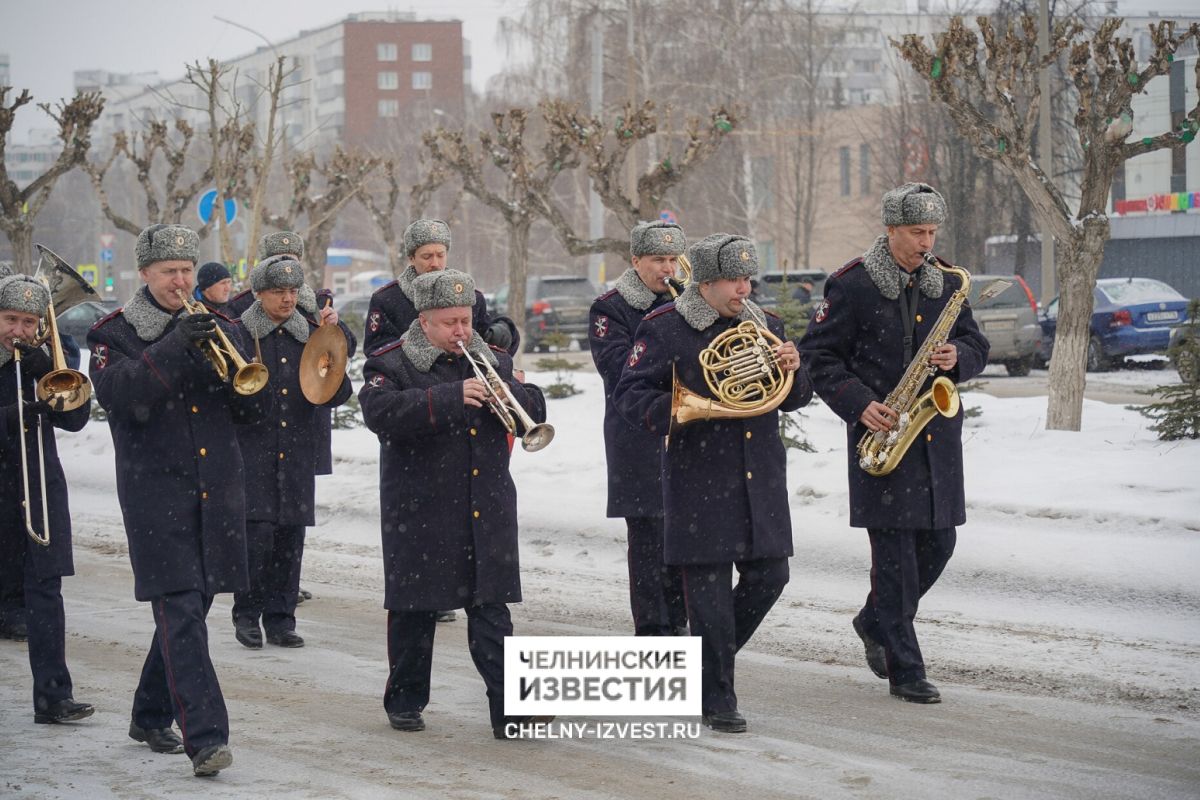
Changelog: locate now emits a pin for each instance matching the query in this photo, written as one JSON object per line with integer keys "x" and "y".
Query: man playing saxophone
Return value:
{"x": 180, "y": 481}
{"x": 724, "y": 478}
{"x": 878, "y": 315}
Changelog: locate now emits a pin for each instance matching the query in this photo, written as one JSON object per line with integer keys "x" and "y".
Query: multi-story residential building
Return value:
{"x": 353, "y": 81}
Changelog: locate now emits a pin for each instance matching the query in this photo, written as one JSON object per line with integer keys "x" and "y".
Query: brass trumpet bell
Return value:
{"x": 249, "y": 377}
{"x": 64, "y": 389}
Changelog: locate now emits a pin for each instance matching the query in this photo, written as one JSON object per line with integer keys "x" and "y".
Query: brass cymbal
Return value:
{"x": 323, "y": 364}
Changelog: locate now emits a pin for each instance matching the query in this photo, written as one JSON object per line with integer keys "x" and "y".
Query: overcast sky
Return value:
{"x": 48, "y": 40}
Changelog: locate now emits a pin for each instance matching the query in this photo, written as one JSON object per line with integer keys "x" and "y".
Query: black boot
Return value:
{"x": 921, "y": 691}
{"x": 161, "y": 740}
{"x": 63, "y": 711}
{"x": 876, "y": 658}
{"x": 248, "y": 633}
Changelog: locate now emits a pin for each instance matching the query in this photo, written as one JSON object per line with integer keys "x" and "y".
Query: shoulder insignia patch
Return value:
{"x": 635, "y": 354}
{"x": 601, "y": 326}
{"x": 373, "y": 321}
{"x": 100, "y": 356}
{"x": 822, "y": 311}
{"x": 376, "y": 381}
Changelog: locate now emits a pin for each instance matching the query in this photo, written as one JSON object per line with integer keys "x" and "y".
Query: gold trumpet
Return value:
{"x": 249, "y": 377}
{"x": 676, "y": 285}
{"x": 533, "y": 435}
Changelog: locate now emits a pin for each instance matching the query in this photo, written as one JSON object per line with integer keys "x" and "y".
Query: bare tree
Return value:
{"x": 341, "y": 178}
{"x": 167, "y": 197}
{"x": 604, "y": 151}
{"x": 527, "y": 177}
{"x": 1002, "y": 71}
{"x": 19, "y": 207}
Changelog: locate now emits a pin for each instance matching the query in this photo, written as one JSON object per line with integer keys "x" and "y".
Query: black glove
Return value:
{"x": 498, "y": 335}
{"x": 324, "y": 298}
{"x": 198, "y": 328}
{"x": 32, "y": 412}
{"x": 34, "y": 360}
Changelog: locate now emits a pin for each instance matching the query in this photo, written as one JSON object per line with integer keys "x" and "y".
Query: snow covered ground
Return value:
{"x": 1065, "y": 636}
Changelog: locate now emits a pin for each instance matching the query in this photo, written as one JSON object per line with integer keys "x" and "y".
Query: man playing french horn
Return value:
{"x": 724, "y": 471}
{"x": 33, "y": 486}
{"x": 894, "y": 306}
{"x": 448, "y": 505}
{"x": 180, "y": 482}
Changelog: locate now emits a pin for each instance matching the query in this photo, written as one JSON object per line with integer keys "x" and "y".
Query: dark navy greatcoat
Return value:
{"x": 854, "y": 350}
{"x": 55, "y": 559}
{"x": 238, "y": 303}
{"x": 281, "y": 451}
{"x": 724, "y": 481}
{"x": 634, "y": 455}
{"x": 448, "y": 503}
{"x": 391, "y": 313}
{"x": 180, "y": 480}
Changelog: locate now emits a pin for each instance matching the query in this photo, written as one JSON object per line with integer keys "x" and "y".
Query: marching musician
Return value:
{"x": 23, "y": 304}
{"x": 392, "y": 309}
{"x": 634, "y": 454}
{"x": 448, "y": 503}
{"x": 213, "y": 287}
{"x": 280, "y": 454}
{"x": 311, "y": 305}
{"x": 877, "y": 312}
{"x": 180, "y": 483}
{"x": 724, "y": 480}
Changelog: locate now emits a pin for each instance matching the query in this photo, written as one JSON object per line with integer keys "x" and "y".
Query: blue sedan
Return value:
{"x": 1131, "y": 316}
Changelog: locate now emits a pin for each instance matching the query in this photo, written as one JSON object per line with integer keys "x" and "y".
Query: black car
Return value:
{"x": 556, "y": 306}
{"x": 76, "y": 321}
{"x": 802, "y": 285}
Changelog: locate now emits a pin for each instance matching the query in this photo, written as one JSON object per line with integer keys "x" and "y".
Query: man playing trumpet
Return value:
{"x": 448, "y": 503}
{"x": 181, "y": 486}
{"x": 23, "y": 303}
{"x": 724, "y": 479}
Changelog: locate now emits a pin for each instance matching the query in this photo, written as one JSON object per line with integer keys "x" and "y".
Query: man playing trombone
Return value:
{"x": 165, "y": 373}
{"x": 280, "y": 454}
{"x": 31, "y": 485}
{"x": 448, "y": 503}
{"x": 724, "y": 475}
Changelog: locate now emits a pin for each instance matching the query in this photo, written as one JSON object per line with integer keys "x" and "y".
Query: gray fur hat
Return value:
{"x": 276, "y": 272}
{"x": 163, "y": 242}
{"x": 445, "y": 288}
{"x": 722, "y": 255}
{"x": 280, "y": 243}
{"x": 24, "y": 293}
{"x": 914, "y": 204}
{"x": 6, "y": 269}
{"x": 425, "y": 231}
{"x": 656, "y": 238}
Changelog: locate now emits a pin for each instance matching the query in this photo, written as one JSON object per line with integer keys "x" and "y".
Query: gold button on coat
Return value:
{"x": 749, "y": 434}
{"x": 476, "y": 515}
{"x": 929, "y": 437}
{"x": 475, "y": 472}
{"x": 749, "y": 475}
{"x": 203, "y": 451}
{"x": 473, "y": 431}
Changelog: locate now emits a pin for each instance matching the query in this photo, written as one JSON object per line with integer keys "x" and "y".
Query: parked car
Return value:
{"x": 1009, "y": 321}
{"x": 554, "y": 304}
{"x": 352, "y": 310}
{"x": 1132, "y": 316}
{"x": 805, "y": 285}
{"x": 76, "y": 321}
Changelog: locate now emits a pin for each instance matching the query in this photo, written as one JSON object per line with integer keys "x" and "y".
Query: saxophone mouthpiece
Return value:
{"x": 930, "y": 259}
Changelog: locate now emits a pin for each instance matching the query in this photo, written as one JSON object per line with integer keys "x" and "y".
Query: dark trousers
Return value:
{"x": 655, "y": 589}
{"x": 178, "y": 680}
{"x": 274, "y": 553}
{"x": 905, "y": 563}
{"x": 47, "y": 637}
{"x": 725, "y": 617}
{"x": 12, "y": 583}
{"x": 410, "y": 656}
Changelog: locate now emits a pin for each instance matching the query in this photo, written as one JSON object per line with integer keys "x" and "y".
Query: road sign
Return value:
{"x": 106, "y": 255}
{"x": 88, "y": 272}
{"x": 667, "y": 215}
{"x": 205, "y": 208}
{"x": 107, "y": 240}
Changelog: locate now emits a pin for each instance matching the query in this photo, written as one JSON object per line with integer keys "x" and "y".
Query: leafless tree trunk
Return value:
{"x": 19, "y": 207}
{"x": 1003, "y": 70}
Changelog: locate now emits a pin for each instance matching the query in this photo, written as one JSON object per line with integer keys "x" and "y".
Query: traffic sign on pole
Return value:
{"x": 208, "y": 200}
{"x": 107, "y": 240}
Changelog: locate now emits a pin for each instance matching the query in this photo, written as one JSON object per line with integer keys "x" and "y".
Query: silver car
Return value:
{"x": 1009, "y": 321}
